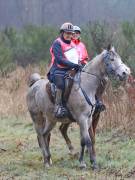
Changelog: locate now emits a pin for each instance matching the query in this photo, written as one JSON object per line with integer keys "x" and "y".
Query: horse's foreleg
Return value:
{"x": 82, "y": 163}
{"x": 63, "y": 129}
{"x": 85, "y": 141}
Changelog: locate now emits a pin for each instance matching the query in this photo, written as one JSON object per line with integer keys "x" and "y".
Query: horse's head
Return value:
{"x": 114, "y": 64}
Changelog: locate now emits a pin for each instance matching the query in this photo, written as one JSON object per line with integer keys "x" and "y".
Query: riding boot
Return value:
{"x": 99, "y": 105}
{"x": 60, "y": 111}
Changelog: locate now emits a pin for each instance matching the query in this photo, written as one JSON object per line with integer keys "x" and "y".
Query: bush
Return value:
{"x": 128, "y": 30}
{"x": 31, "y": 45}
{"x": 6, "y": 56}
{"x": 101, "y": 35}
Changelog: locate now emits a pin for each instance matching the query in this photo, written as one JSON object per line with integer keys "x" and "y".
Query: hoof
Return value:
{"x": 74, "y": 153}
{"x": 86, "y": 151}
{"x": 71, "y": 151}
{"x": 83, "y": 165}
{"x": 50, "y": 162}
{"x": 95, "y": 167}
{"x": 47, "y": 165}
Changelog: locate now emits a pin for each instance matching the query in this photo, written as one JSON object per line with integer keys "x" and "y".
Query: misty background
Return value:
{"x": 18, "y": 13}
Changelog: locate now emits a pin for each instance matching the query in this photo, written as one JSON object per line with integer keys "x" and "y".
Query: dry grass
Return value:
{"x": 120, "y": 103}
{"x": 120, "y": 113}
{"x": 13, "y": 91}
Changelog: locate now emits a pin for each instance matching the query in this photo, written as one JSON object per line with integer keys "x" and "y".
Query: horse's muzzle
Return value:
{"x": 122, "y": 77}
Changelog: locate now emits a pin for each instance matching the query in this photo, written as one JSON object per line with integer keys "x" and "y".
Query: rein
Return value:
{"x": 100, "y": 79}
{"x": 83, "y": 91}
{"x": 92, "y": 75}
{"x": 85, "y": 94}
{"x": 78, "y": 80}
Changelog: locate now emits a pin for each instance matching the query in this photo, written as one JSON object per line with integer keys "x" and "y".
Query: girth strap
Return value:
{"x": 86, "y": 97}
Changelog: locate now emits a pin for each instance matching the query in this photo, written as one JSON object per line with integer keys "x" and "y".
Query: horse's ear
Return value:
{"x": 102, "y": 49}
{"x": 113, "y": 49}
{"x": 109, "y": 47}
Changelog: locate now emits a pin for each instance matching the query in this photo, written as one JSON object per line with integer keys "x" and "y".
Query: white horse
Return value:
{"x": 81, "y": 102}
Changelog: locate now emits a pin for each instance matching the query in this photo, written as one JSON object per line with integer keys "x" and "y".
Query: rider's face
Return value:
{"x": 76, "y": 35}
{"x": 68, "y": 35}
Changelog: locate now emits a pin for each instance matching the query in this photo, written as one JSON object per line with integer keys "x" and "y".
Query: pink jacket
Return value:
{"x": 82, "y": 51}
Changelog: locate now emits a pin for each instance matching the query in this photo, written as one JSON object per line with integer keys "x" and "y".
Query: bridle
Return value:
{"x": 108, "y": 66}
{"x": 106, "y": 60}
{"x": 109, "y": 70}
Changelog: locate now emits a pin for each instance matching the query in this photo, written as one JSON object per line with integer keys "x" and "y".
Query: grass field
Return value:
{"x": 20, "y": 156}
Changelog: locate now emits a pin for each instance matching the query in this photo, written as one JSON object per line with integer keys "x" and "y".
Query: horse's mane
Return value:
{"x": 94, "y": 62}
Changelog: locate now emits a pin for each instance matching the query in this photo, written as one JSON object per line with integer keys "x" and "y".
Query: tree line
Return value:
{"x": 31, "y": 44}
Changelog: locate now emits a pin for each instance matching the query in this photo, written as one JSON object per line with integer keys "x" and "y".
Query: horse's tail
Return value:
{"x": 33, "y": 78}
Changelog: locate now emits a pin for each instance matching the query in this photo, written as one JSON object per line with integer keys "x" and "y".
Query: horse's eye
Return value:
{"x": 112, "y": 59}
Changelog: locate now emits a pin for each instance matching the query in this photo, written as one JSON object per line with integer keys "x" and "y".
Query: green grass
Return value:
{"x": 20, "y": 156}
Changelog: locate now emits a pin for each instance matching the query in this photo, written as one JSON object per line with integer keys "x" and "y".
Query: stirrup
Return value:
{"x": 61, "y": 112}
{"x": 100, "y": 106}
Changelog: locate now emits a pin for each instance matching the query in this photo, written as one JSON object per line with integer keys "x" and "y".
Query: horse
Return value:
{"x": 95, "y": 119}
{"x": 81, "y": 102}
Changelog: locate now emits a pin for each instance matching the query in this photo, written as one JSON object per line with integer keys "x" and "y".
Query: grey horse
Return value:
{"x": 81, "y": 102}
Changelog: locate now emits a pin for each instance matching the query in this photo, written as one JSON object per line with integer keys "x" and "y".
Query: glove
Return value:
{"x": 78, "y": 67}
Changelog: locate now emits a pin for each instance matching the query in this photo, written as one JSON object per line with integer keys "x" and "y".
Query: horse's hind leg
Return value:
{"x": 95, "y": 120}
{"x": 63, "y": 129}
{"x": 46, "y": 134}
{"x": 92, "y": 129}
{"x": 49, "y": 136}
{"x": 92, "y": 132}
{"x": 43, "y": 140}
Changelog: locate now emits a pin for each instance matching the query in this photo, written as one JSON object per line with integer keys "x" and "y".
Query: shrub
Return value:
{"x": 31, "y": 45}
{"x": 6, "y": 56}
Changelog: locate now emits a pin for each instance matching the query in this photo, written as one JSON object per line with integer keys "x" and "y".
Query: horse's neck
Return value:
{"x": 95, "y": 66}
{"x": 92, "y": 75}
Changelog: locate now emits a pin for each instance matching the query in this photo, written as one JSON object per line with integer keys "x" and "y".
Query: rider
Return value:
{"x": 60, "y": 64}
{"x": 81, "y": 48}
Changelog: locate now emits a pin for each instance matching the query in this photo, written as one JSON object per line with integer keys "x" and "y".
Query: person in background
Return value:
{"x": 60, "y": 64}
{"x": 81, "y": 48}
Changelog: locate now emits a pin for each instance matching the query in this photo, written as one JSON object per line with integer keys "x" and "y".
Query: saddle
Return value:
{"x": 51, "y": 88}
